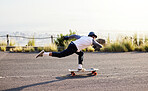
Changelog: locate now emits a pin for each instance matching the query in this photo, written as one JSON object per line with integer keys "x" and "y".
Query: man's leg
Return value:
{"x": 80, "y": 59}
{"x": 70, "y": 50}
{"x": 64, "y": 53}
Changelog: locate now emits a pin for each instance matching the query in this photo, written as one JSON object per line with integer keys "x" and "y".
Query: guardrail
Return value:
{"x": 8, "y": 36}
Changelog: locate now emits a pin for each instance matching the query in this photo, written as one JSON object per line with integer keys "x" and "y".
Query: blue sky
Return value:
{"x": 79, "y": 15}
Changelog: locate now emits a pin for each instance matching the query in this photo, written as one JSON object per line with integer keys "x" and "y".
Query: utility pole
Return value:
{"x": 51, "y": 38}
{"x": 7, "y": 40}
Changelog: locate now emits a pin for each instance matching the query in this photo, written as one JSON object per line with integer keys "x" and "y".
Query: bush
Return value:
{"x": 31, "y": 42}
{"x": 40, "y": 49}
{"x": 20, "y": 49}
{"x": 135, "y": 40}
{"x": 11, "y": 49}
{"x": 12, "y": 43}
{"x": 142, "y": 48}
{"x": 123, "y": 46}
{"x": 61, "y": 42}
{"x": 84, "y": 50}
{"x": 3, "y": 43}
{"x": 90, "y": 49}
{"x": 47, "y": 48}
{"x": 29, "y": 49}
{"x": 146, "y": 47}
{"x": 51, "y": 48}
{"x": 128, "y": 44}
{"x": 16, "y": 49}
{"x": 3, "y": 48}
{"x": 139, "y": 48}
{"x": 115, "y": 47}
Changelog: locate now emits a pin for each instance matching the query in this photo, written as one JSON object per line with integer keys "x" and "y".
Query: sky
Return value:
{"x": 58, "y": 16}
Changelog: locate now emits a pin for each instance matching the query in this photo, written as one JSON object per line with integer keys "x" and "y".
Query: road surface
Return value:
{"x": 117, "y": 72}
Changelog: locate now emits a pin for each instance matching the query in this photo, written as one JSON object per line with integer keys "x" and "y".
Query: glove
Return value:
{"x": 66, "y": 37}
{"x": 96, "y": 48}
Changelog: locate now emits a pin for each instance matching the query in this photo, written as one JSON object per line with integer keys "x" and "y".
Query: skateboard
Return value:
{"x": 92, "y": 70}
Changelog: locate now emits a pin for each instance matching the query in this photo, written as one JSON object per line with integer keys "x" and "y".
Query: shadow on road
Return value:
{"x": 61, "y": 78}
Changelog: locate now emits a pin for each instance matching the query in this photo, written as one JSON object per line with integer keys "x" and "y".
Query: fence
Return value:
{"x": 112, "y": 36}
{"x": 11, "y": 36}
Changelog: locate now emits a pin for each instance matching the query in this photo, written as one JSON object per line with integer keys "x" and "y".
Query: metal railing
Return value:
{"x": 10, "y": 36}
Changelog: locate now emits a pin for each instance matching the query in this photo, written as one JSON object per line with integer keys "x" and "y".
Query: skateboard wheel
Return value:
{"x": 95, "y": 73}
{"x": 73, "y": 74}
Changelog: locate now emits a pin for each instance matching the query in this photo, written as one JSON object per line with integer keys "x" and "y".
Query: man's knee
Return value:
{"x": 81, "y": 53}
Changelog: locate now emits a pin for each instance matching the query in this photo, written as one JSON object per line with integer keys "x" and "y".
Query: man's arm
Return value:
{"x": 72, "y": 36}
{"x": 96, "y": 45}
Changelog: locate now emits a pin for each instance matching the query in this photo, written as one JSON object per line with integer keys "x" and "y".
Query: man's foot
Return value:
{"x": 40, "y": 54}
{"x": 80, "y": 68}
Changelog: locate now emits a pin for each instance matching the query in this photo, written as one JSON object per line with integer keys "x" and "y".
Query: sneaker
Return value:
{"x": 80, "y": 66}
{"x": 40, "y": 54}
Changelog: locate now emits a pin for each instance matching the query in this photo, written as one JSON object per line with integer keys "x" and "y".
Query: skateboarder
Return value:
{"x": 76, "y": 46}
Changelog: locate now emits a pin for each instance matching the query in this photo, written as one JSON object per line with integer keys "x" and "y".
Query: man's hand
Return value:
{"x": 96, "y": 48}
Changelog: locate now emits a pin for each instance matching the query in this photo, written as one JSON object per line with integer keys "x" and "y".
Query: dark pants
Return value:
{"x": 69, "y": 51}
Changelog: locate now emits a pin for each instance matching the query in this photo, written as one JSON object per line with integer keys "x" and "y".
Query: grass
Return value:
{"x": 140, "y": 48}
{"x": 40, "y": 48}
{"x": 146, "y": 47}
{"x": 16, "y": 49}
{"x": 3, "y": 48}
{"x": 29, "y": 49}
{"x": 128, "y": 44}
{"x": 125, "y": 44}
{"x": 21, "y": 49}
{"x": 31, "y": 42}
{"x": 89, "y": 49}
{"x": 12, "y": 43}
{"x": 51, "y": 48}
{"x": 114, "y": 47}
{"x": 143, "y": 48}
{"x": 3, "y": 43}
{"x": 48, "y": 48}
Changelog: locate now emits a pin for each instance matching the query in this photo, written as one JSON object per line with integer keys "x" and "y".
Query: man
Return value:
{"x": 76, "y": 46}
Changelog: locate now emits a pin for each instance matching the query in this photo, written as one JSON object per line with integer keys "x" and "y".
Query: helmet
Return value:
{"x": 92, "y": 34}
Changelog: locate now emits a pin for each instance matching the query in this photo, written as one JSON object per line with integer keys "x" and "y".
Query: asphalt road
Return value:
{"x": 117, "y": 72}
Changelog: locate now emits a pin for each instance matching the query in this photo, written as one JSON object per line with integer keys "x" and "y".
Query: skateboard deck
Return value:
{"x": 92, "y": 70}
